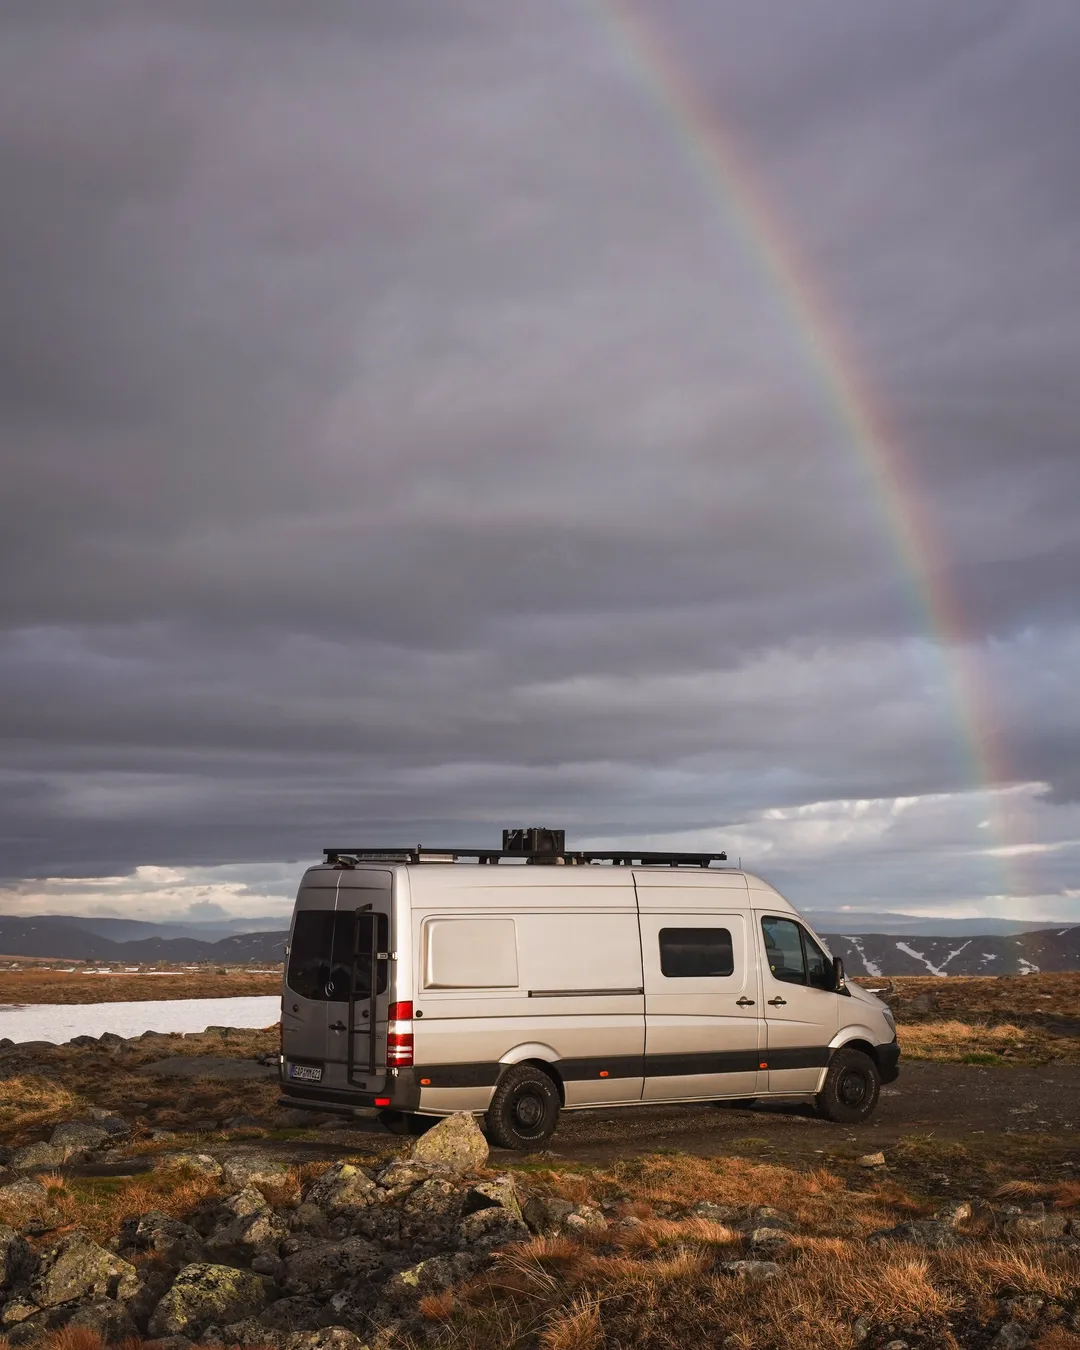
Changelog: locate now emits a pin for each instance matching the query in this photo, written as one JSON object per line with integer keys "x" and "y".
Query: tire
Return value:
{"x": 850, "y": 1091}
{"x": 524, "y": 1109}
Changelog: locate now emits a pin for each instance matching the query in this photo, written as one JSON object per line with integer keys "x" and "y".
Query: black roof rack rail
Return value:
{"x": 349, "y": 857}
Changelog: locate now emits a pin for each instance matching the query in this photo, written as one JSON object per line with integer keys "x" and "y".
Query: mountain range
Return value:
{"x": 66, "y": 937}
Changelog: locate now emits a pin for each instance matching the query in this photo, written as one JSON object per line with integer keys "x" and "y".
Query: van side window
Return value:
{"x": 818, "y": 966}
{"x": 321, "y": 954}
{"x": 783, "y": 946}
{"x": 695, "y": 953}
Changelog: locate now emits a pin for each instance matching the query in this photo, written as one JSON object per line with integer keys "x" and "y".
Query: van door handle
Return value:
{"x": 744, "y": 1002}
{"x": 338, "y": 1026}
{"x": 778, "y": 1002}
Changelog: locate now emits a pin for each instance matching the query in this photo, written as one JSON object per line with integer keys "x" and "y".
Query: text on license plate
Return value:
{"x": 309, "y": 1073}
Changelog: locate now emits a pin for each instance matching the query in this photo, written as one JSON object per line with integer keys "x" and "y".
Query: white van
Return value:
{"x": 518, "y": 982}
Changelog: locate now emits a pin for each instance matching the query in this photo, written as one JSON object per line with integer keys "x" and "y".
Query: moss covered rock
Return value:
{"x": 206, "y": 1295}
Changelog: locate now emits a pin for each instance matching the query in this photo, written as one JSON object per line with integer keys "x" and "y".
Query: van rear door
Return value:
{"x": 357, "y": 1005}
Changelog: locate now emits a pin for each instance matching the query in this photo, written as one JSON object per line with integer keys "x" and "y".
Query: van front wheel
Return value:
{"x": 524, "y": 1109}
{"x": 850, "y": 1091}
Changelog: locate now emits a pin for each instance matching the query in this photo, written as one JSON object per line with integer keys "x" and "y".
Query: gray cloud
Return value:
{"x": 397, "y": 435}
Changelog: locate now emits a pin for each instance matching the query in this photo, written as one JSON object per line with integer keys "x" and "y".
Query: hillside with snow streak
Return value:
{"x": 1049, "y": 949}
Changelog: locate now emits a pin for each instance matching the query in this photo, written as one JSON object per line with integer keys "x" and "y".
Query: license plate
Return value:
{"x": 307, "y": 1073}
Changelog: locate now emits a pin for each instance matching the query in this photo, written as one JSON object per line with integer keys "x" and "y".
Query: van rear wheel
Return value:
{"x": 850, "y": 1091}
{"x": 524, "y": 1109}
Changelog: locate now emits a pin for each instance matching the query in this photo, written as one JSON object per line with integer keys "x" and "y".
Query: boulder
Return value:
{"x": 490, "y": 1228}
{"x": 584, "y": 1218}
{"x": 204, "y": 1295}
{"x": 341, "y": 1187}
{"x": 919, "y": 1232}
{"x": 456, "y": 1143}
{"x": 546, "y": 1213}
{"x": 253, "y": 1169}
{"x": 14, "y": 1257}
{"x": 750, "y": 1270}
{"x": 77, "y": 1136}
{"x": 38, "y": 1156}
{"x": 871, "y": 1160}
{"x": 201, "y": 1163}
{"x": 955, "y": 1213}
{"x": 499, "y": 1192}
{"x": 325, "y": 1338}
{"x": 325, "y": 1266}
{"x": 1037, "y": 1223}
{"x": 401, "y": 1176}
{"x": 17, "y": 1310}
{"x": 723, "y": 1214}
{"x": 407, "y": 1287}
{"x": 176, "y": 1243}
{"x": 105, "y": 1316}
{"x": 262, "y": 1232}
{"x": 77, "y": 1268}
{"x": 1012, "y": 1336}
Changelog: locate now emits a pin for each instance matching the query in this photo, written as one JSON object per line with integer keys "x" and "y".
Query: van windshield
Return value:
{"x": 322, "y": 952}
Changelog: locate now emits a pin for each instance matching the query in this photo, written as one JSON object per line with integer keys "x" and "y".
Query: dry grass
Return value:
{"x": 1007, "y": 998}
{"x": 29, "y": 1102}
{"x": 42, "y": 985}
{"x": 956, "y": 1042}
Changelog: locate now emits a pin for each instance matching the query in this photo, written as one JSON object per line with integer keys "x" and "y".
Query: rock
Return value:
{"x": 765, "y": 1216}
{"x": 341, "y": 1187}
{"x": 176, "y": 1243}
{"x": 263, "y": 1232}
{"x": 173, "y": 1343}
{"x": 583, "y": 1218}
{"x": 1012, "y": 1336}
{"x": 201, "y": 1163}
{"x": 326, "y": 1338}
{"x": 14, "y": 1257}
{"x": 860, "y": 1330}
{"x": 919, "y": 1232}
{"x": 401, "y": 1176}
{"x": 954, "y": 1214}
{"x": 296, "y": 1118}
{"x": 750, "y": 1270}
{"x": 105, "y": 1316}
{"x": 306, "y": 1218}
{"x": 1037, "y": 1223}
{"x": 456, "y": 1142}
{"x": 38, "y": 1156}
{"x": 17, "y": 1310}
{"x": 204, "y": 1295}
{"x": 773, "y": 1238}
{"x": 724, "y": 1214}
{"x": 76, "y": 1136}
{"x": 111, "y": 1041}
{"x": 77, "y": 1268}
{"x": 325, "y": 1266}
{"x": 871, "y": 1160}
{"x": 243, "y": 1205}
{"x": 546, "y": 1213}
{"x": 490, "y": 1228}
{"x": 253, "y": 1170}
{"x": 500, "y": 1192}
{"x": 427, "y": 1277}
{"x": 896, "y": 1345}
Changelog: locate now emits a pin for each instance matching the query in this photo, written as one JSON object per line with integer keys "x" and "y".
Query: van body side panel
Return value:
{"x": 570, "y": 987}
{"x": 703, "y": 1029}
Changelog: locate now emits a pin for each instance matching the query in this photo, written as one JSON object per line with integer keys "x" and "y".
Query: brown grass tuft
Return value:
{"x": 575, "y": 1328}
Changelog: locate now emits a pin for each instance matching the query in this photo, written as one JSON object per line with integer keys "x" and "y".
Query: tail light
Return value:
{"x": 399, "y": 1036}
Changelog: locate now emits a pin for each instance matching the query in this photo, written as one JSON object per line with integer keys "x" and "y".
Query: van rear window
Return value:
{"x": 321, "y": 954}
{"x": 695, "y": 953}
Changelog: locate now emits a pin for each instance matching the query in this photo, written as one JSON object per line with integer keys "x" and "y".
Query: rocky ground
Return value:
{"x": 154, "y": 1189}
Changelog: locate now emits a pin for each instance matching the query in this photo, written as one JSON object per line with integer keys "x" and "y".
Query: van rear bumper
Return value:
{"x": 402, "y": 1093}
{"x": 888, "y": 1061}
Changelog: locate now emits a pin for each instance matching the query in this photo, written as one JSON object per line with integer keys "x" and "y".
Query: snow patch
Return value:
{"x": 871, "y": 967}
{"x": 58, "y": 1022}
{"x": 910, "y": 951}
{"x": 1027, "y": 967}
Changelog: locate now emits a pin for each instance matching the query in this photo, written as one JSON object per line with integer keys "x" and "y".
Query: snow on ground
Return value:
{"x": 870, "y": 967}
{"x": 903, "y": 947}
{"x": 58, "y": 1022}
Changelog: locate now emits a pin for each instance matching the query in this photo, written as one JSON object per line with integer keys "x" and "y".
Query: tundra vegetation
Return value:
{"x": 137, "y": 1208}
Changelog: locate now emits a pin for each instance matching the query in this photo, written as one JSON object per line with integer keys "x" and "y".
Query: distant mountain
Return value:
{"x": 131, "y": 930}
{"x": 843, "y": 921}
{"x": 1045, "y": 949}
{"x": 63, "y": 938}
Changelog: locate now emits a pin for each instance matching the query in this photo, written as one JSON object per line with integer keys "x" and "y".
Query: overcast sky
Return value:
{"x": 399, "y": 441}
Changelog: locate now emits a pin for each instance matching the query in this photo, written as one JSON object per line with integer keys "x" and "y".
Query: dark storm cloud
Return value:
{"x": 396, "y": 435}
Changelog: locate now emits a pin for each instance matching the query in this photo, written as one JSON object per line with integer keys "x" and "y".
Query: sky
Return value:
{"x": 402, "y": 437}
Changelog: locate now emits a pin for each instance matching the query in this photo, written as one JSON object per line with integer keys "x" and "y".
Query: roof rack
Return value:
{"x": 533, "y": 845}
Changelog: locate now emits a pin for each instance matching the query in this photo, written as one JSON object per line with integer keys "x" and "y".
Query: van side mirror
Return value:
{"x": 838, "y": 975}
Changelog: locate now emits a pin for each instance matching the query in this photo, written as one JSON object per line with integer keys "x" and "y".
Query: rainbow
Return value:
{"x": 712, "y": 154}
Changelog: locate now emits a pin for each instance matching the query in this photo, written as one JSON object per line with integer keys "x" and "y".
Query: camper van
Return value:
{"x": 524, "y": 981}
